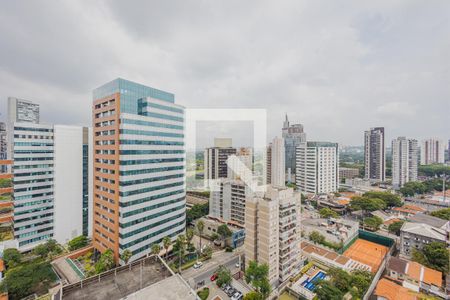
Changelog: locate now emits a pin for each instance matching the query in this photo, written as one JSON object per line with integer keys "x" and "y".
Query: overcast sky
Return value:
{"x": 337, "y": 67}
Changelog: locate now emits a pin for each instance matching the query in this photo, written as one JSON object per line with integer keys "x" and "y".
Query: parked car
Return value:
{"x": 227, "y": 289}
{"x": 237, "y": 296}
{"x": 231, "y": 292}
{"x": 237, "y": 265}
{"x": 198, "y": 265}
{"x": 213, "y": 277}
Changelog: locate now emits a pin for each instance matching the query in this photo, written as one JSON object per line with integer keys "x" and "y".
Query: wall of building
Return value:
{"x": 68, "y": 191}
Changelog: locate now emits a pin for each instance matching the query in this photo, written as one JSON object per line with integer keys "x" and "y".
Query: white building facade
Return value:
{"x": 405, "y": 157}
{"x": 317, "y": 167}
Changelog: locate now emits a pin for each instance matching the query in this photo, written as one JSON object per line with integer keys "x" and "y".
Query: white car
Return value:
{"x": 237, "y": 296}
{"x": 198, "y": 265}
{"x": 237, "y": 265}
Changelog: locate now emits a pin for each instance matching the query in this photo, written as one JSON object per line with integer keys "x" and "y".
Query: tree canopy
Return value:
{"x": 257, "y": 275}
{"x": 443, "y": 214}
{"x": 367, "y": 204}
{"x": 328, "y": 213}
{"x": 223, "y": 276}
{"x": 434, "y": 255}
{"x": 106, "y": 262}
{"x": 12, "y": 257}
{"x": 389, "y": 199}
{"x": 417, "y": 187}
{"x": 395, "y": 227}
{"x": 28, "y": 278}
{"x": 78, "y": 242}
{"x": 373, "y": 223}
{"x": 197, "y": 211}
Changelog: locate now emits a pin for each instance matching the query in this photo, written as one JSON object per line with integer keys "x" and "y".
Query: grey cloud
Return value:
{"x": 338, "y": 69}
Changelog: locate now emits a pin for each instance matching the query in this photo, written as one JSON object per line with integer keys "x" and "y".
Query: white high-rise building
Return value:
{"x": 432, "y": 152}
{"x": 375, "y": 154}
{"x": 277, "y": 162}
{"x": 33, "y": 182}
{"x": 317, "y": 167}
{"x": 49, "y": 187}
{"x": 405, "y": 156}
{"x": 272, "y": 229}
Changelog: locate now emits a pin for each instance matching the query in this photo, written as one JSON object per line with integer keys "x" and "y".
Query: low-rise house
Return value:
{"x": 417, "y": 235}
{"x": 415, "y": 276}
{"x": 388, "y": 290}
{"x": 237, "y": 231}
{"x": 407, "y": 210}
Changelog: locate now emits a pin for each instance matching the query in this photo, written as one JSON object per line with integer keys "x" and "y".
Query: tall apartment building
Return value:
{"x": 215, "y": 159}
{"x": 293, "y": 135}
{"x": 139, "y": 167}
{"x": 348, "y": 173}
{"x": 432, "y": 152}
{"x": 318, "y": 167}
{"x": 3, "y": 146}
{"x": 269, "y": 164}
{"x": 375, "y": 154}
{"x": 47, "y": 184}
{"x": 227, "y": 201}
{"x": 272, "y": 229}
{"x": 405, "y": 157}
{"x": 277, "y": 172}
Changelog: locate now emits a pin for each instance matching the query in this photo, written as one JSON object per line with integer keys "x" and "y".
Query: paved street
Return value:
{"x": 228, "y": 259}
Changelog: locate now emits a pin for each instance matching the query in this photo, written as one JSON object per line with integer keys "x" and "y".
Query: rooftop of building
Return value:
{"x": 415, "y": 271}
{"x": 120, "y": 282}
{"x": 127, "y": 87}
{"x": 424, "y": 230}
{"x": 367, "y": 252}
{"x": 232, "y": 225}
{"x": 392, "y": 291}
{"x": 171, "y": 288}
{"x": 427, "y": 219}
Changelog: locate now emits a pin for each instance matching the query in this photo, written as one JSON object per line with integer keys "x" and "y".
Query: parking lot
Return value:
{"x": 226, "y": 293}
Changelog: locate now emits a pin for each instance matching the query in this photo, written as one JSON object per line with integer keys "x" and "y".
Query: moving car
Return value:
{"x": 213, "y": 277}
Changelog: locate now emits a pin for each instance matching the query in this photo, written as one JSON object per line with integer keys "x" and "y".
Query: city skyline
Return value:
{"x": 316, "y": 65}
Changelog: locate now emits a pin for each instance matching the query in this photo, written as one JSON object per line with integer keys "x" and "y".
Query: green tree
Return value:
{"x": 180, "y": 248}
{"x": 106, "y": 262}
{"x": 327, "y": 213}
{"x": 223, "y": 276}
{"x": 361, "y": 281}
{"x": 443, "y": 214}
{"x": 325, "y": 290}
{"x": 126, "y": 255}
{"x": 224, "y": 232}
{"x": 49, "y": 248}
{"x": 12, "y": 257}
{"x": 200, "y": 228}
{"x": 316, "y": 237}
{"x": 395, "y": 227}
{"x": 434, "y": 255}
{"x": 156, "y": 248}
{"x": 78, "y": 242}
{"x": 373, "y": 223}
{"x": 207, "y": 252}
{"x": 340, "y": 279}
{"x": 166, "y": 244}
{"x": 189, "y": 235}
{"x": 253, "y": 296}
{"x": 33, "y": 277}
{"x": 257, "y": 275}
{"x": 366, "y": 204}
{"x": 197, "y": 211}
{"x": 389, "y": 199}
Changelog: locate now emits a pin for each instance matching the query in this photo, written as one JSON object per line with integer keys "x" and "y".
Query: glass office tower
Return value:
{"x": 139, "y": 168}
